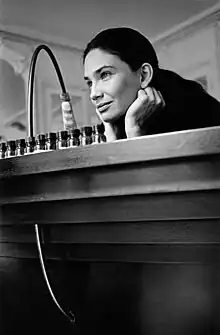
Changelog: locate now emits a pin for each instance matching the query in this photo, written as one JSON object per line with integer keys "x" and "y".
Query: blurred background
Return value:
{"x": 185, "y": 34}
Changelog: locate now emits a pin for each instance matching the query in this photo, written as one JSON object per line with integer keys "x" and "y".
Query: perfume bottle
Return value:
{"x": 40, "y": 143}
{"x": 30, "y": 145}
{"x": 86, "y": 135}
{"x": 3, "y": 149}
{"x": 11, "y": 148}
{"x": 51, "y": 141}
{"x": 62, "y": 139}
{"x": 98, "y": 134}
{"x": 20, "y": 147}
{"x": 74, "y": 137}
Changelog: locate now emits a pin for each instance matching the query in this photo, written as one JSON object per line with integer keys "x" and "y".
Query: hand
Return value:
{"x": 110, "y": 132}
{"x": 148, "y": 101}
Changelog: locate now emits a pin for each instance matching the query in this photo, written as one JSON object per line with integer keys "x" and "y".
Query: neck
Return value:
{"x": 119, "y": 128}
{"x": 115, "y": 131}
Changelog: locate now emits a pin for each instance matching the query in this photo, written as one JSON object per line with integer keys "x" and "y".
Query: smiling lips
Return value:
{"x": 103, "y": 106}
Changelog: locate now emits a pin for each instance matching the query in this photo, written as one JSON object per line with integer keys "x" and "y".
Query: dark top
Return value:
{"x": 188, "y": 105}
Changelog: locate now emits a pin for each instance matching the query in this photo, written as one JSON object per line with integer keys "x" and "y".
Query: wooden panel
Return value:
{"x": 150, "y": 242}
{"x": 17, "y": 234}
{"x": 190, "y": 231}
{"x": 131, "y": 237}
{"x": 158, "y": 253}
{"x": 176, "y": 206}
{"x": 115, "y": 298}
{"x": 197, "y": 173}
{"x": 183, "y": 231}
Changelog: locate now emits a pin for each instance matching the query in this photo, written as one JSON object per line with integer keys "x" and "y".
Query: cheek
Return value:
{"x": 124, "y": 88}
{"x": 127, "y": 92}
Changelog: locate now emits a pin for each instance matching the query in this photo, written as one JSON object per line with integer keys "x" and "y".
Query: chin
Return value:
{"x": 111, "y": 118}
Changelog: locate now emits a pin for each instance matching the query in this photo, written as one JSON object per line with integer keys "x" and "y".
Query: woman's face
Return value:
{"x": 113, "y": 85}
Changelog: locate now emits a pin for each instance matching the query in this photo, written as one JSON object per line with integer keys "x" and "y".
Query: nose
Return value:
{"x": 95, "y": 93}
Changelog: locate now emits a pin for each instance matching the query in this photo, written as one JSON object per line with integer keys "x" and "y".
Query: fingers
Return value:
{"x": 143, "y": 96}
{"x": 148, "y": 101}
{"x": 150, "y": 92}
{"x": 153, "y": 96}
{"x": 161, "y": 99}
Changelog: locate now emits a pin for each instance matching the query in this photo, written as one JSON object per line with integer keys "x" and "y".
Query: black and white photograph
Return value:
{"x": 110, "y": 167}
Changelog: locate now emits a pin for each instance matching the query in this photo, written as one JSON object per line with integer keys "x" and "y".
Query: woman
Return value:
{"x": 133, "y": 96}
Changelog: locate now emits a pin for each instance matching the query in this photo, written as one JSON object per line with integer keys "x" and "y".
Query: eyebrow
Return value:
{"x": 100, "y": 69}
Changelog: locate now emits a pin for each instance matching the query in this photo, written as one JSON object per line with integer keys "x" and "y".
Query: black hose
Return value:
{"x": 69, "y": 314}
{"x": 31, "y": 82}
{"x": 39, "y": 239}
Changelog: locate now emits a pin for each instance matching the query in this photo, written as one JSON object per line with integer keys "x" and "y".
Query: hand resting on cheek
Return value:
{"x": 148, "y": 101}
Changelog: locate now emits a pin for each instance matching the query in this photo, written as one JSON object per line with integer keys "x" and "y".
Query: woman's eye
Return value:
{"x": 89, "y": 84}
{"x": 105, "y": 75}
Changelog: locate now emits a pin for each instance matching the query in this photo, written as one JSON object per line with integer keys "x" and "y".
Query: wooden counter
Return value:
{"x": 131, "y": 234}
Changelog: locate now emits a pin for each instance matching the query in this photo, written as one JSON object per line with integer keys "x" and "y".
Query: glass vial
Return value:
{"x": 40, "y": 142}
{"x": 51, "y": 141}
{"x": 98, "y": 133}
{"x": 62, "y": 139}
{"x": 30, "y": 145}
{"x": 73, "y": 137}
{"x": 20, "y": 147}
{"x": 86, "y": 135}
{"x": 3, "y": 148}
{"x": 11, "y": 148}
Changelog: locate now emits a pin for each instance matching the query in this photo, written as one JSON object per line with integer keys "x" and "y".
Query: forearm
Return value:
{"x": 133, "y": 132}
{"x": 133, "y": 128}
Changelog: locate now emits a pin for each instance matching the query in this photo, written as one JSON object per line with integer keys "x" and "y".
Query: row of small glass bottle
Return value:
{"x": 52, "y": 141}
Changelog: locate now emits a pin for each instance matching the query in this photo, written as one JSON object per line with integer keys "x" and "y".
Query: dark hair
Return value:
{"x": 128, "y": 44}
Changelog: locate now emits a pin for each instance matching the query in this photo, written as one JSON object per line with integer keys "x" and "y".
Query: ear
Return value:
{"x": 146, "y": 75}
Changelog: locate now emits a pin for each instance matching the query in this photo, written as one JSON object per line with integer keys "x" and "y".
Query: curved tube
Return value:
{"x": 31, "y": 82}
{"x": 69, "y": 315}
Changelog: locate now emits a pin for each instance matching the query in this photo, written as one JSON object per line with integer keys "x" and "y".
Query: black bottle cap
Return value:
{"x": 62, "y": 134}
{"x": 87, "y": 130}
{"x": 99, "y": 128}
{"x": 21, "y": 142}
{"x": 11, "y": 144}
{"x": 3, "y": 146}
{"x": 30, "y": 139}
{"x": 74, "y": 132}
{"x": 51, "y": 136}
{"x": 40, "y": 137}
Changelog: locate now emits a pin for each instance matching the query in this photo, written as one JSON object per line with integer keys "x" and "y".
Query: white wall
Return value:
{"x": 191, "y": 49}
{"x": 77, "y": 21}
{"x": 194, "y": 54}
{"x": 15, "y": 55}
